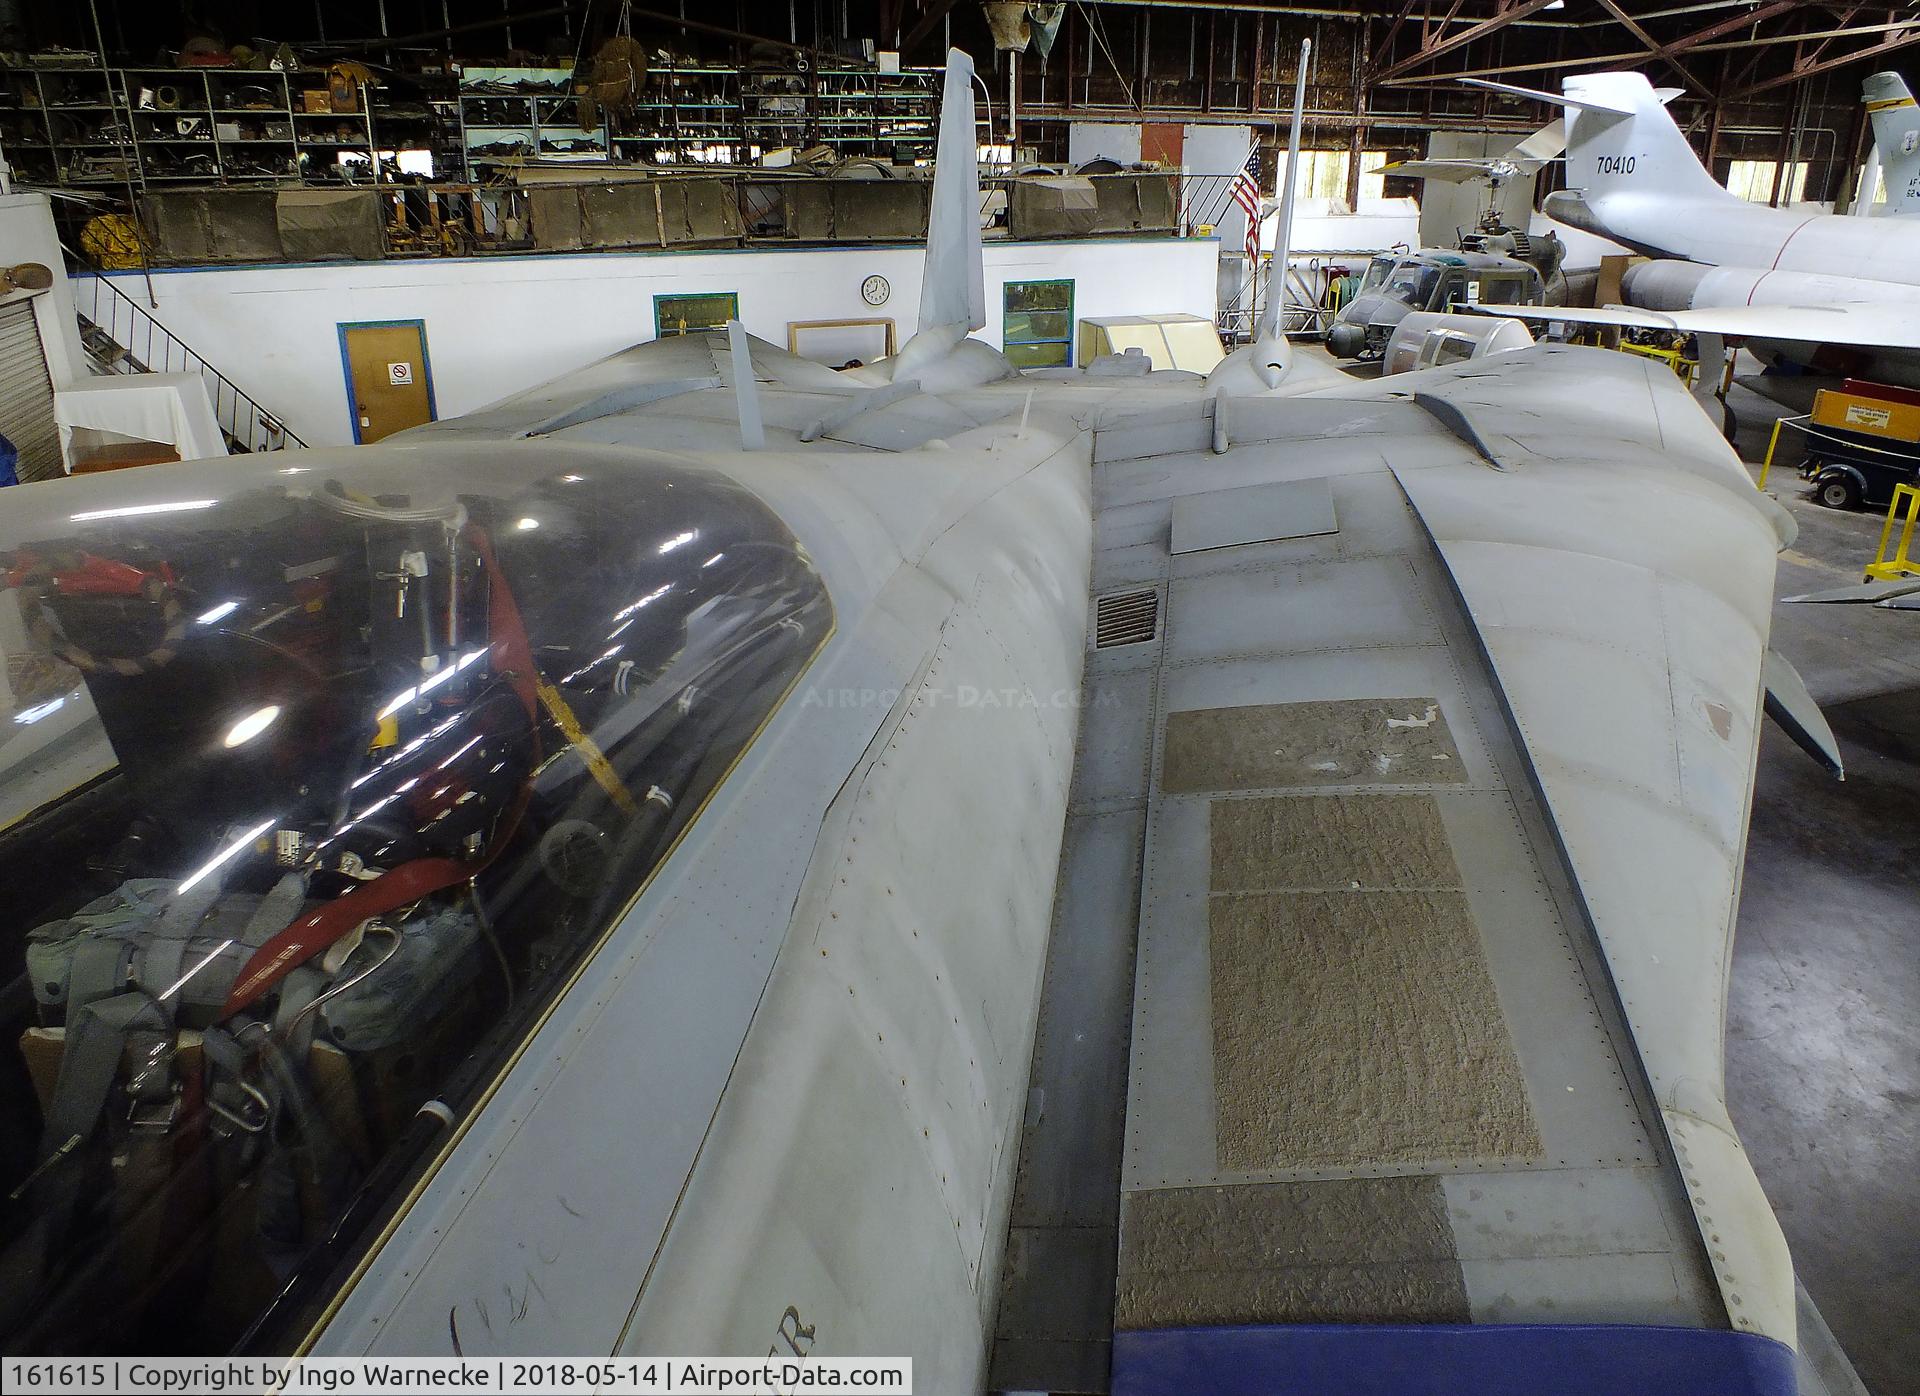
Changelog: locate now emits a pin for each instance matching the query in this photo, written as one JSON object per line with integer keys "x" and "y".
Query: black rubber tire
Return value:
{"x": 1838, "y": 492}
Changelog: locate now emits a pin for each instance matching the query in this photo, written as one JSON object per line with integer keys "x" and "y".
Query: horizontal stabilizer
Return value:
{"x": 1543, "y": 145}
{"x": 1577, "y": 103}
{"x": 1790, "y": 705}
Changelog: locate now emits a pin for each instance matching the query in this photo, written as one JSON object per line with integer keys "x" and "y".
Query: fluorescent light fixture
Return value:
{"x": 129, "y": 511}
{"x": 39, "y": 710}
{"x": 220, "y": 612}
{"x": 252, "y": 725}
{"x": 224, "y": 856}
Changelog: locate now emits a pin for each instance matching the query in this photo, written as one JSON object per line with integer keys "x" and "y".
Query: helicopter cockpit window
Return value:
{"x": 1413, "y": 283}
{"x": 1511, "y": 287}
{"x": 1376, "y": 277}
{"x": 312, "y": 797}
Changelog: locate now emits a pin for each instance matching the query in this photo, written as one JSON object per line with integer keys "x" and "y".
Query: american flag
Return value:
{"x": 1246, "y": 193}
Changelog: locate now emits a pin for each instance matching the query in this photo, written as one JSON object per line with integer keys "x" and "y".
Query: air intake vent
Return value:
{"x": 1125, "y": 618}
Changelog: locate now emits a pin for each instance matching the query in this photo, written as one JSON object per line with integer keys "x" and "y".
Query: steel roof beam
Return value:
{"x": 1507, "y": 14}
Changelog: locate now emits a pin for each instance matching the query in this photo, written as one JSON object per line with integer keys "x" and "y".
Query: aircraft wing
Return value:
{"x": 1870, "y": 326}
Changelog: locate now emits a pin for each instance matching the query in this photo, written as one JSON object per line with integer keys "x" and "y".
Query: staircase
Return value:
{"x": 121, "y": 337}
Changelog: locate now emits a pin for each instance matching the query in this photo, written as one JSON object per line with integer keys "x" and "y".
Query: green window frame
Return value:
{"x": 692, "y": 312}
{"x": 1036, "y": 326}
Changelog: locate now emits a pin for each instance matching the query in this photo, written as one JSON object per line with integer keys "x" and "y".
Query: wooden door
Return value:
{"x": 1163, "y": 143}
{"x": 389, "y": 385}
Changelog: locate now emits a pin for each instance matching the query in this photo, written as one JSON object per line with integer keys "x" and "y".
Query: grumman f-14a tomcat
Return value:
{"x": 537, "y": 885}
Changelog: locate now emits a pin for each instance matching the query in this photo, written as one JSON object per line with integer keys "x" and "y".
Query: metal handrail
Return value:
{"x": 144, "y": 345}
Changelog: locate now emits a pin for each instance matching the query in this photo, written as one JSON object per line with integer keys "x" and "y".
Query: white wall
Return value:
{"x": 1448, "y": 210}
{"x": 497, "y": 325}
{"x": 1324, "y": 225}
{"x": 1105, "y": 140}
{"x": 27, "y": 235}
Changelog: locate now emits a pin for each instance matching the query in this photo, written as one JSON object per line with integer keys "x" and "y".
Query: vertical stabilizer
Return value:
{"x": 953, "y": 285}
{"x": 1270, "y": 325}
{"x": 1261, "y": 366}
{"x": 1896, "y": 131}
{"x": 1623, "y": 141}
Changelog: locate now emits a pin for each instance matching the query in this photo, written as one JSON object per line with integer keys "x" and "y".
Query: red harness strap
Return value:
{"x": 312, "y": 934}
{"x": 512, "y": 657}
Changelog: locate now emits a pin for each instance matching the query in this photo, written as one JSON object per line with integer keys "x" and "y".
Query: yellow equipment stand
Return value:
{"x": 1687, "y": 369}
{"x": 1888, "y": 569}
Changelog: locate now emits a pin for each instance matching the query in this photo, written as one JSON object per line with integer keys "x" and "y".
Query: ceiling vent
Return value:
{"x": 1125, "y": 618}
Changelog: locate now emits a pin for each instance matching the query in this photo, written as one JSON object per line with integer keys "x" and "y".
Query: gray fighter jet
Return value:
{"x": 715, "y": 855}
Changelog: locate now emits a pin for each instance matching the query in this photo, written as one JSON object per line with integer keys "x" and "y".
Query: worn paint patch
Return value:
{"x": 1355, "y": 1020}
{"x": 1328, "y": 842}
{"x": 1372, "y": 741}
{"x": 1364, "y": 1250}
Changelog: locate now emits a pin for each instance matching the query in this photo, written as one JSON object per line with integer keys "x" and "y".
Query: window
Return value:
{"x": 1377, "y": 273}
{"x": 387, "y": 755}
{"x": 690, "y": 314}
{"x": 1323, "y": 174}
{"x": 1506, "y": 288}
{"x": 1038, "y": 328}
{"x": 1752, "y": 180}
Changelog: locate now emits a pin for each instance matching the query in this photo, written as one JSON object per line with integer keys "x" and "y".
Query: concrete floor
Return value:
{"x": 1823, "y": 1014}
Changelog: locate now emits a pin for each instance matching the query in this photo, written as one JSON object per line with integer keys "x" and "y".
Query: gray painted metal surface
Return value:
{"x": 1256, "y": 514}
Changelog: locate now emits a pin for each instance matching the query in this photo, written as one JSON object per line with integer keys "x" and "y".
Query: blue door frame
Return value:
{"x": 346, "y": 367}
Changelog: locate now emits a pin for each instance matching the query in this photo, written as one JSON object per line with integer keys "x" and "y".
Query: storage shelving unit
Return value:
{"x": 110, "y": 127}
{"x": 152, "y": 127}
{"x": 508, "y": 115}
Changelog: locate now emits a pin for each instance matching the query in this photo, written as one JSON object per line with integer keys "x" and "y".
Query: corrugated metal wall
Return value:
{"x": 26, "y": 394}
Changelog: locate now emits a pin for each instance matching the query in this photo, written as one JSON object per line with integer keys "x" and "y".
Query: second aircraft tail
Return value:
{"x": 1896, "y": 131}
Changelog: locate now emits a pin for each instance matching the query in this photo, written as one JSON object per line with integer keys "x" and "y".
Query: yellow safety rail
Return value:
{"x": 1687, "y": 369}
{"x": 1888, "y": 569}
{"x": 1774, "y": 445}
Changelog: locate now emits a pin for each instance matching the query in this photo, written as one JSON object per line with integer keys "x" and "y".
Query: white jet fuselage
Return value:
{"x": 1632, "y": 177}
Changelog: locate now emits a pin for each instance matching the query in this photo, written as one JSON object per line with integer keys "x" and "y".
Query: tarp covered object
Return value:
{"x": 1082, "y": 206}
{"x": 856, "y": 210}
{"x": 324, "y": 224}
{"x": 169, "y": 407}
{"x": 212, "y": 225}
{"x": 634, "y": 213}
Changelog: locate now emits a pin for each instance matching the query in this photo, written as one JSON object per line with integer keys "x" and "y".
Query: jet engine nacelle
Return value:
{"x": 1672, "y": 285}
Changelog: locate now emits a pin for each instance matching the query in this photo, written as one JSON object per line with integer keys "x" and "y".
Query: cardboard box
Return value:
{"x": 316, "y": 100}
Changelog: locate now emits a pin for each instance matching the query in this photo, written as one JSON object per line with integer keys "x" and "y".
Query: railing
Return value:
{"x": 1305, "y": 312}
{"x": 123, "y": 338}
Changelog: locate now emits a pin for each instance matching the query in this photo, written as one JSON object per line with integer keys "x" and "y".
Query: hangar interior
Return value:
{"x": 257, "y": 233}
